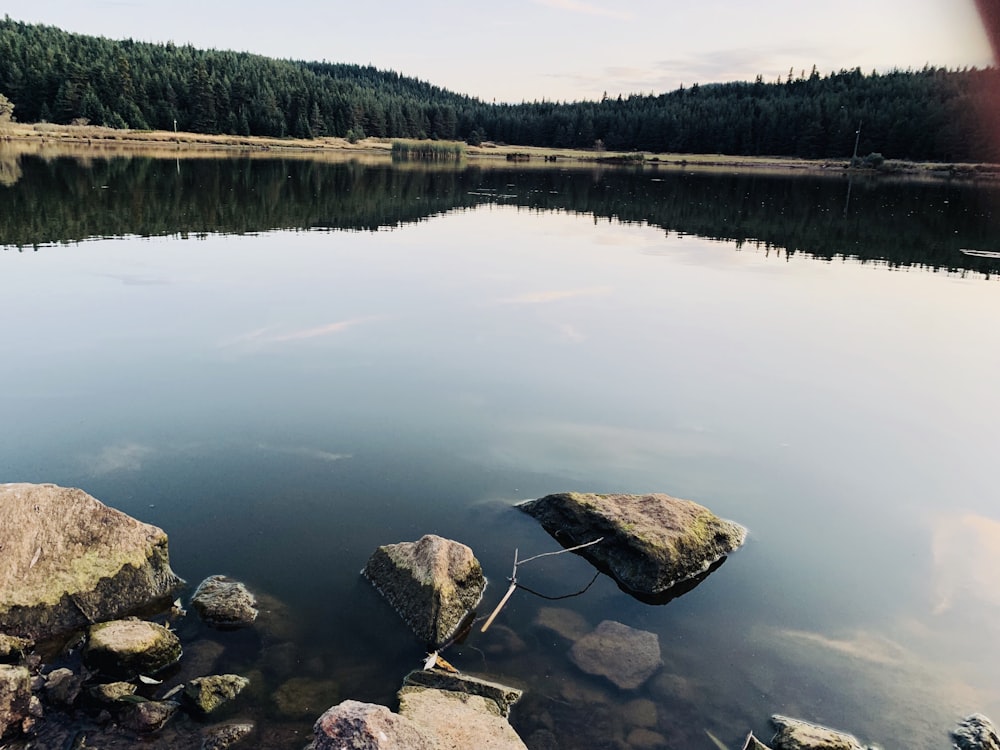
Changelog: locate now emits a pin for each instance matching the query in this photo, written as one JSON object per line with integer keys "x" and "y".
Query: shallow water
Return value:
{"x": 282, "y": 401}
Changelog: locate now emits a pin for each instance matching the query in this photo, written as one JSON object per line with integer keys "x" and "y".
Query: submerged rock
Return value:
{"x": 224, "y": 603}
{"x": 15, "y": 696}
{"x": 126, "y": 648}
{"x": 366, "y": 726}
{"x": 112, "y": 692}
{"x": 302, "y": 697}
{"x": 650, "y": 542}
{"x": 222, "y": 736}
{"x": 212, "y": 692}
{"x": 71, "y": 561}
{"x": 626, "y": 656}
{"x": 795, "y": 734}
{"x": 62, "y": 686}
{"x": 976, "y": 732}
{"x": 148, "y": 716}
{"x": 433, "y": 583}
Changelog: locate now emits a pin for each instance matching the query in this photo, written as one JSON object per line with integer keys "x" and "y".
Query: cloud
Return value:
{"x": 556, "y": 295}
{"x": 305, "y": 452}
{"x": 587, "y": 9}
{"x": 268, "y": 334}
{"x": 966, "y": 556}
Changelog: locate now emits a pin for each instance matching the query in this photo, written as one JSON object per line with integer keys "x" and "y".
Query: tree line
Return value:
{"x": 932, "y": 114}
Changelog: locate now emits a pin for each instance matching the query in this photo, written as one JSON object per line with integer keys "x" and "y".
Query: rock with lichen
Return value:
{"x": 434, "y": 583}
{"x": 214, "y": 691}
{"x": 126, "y": 648}
{"x": 224, "y": 603}
{"x": 70, "y": 561}
{"x": 649, "y": 543}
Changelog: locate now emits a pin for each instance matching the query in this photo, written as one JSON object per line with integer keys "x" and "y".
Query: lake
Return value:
{"x": 285, "y": 363}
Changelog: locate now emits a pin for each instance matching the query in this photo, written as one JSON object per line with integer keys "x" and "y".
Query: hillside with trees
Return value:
{"x": 932, "y": 114}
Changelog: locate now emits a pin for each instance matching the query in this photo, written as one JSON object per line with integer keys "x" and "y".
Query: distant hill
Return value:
{"x": 932, "y": 114}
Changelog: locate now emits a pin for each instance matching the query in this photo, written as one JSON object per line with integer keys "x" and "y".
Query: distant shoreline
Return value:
{"x": 94, "y": 141}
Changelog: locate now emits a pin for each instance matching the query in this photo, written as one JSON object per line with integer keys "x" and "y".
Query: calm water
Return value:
{"x": 285, "y": 364}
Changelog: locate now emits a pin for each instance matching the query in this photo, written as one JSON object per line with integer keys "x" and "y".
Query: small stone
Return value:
{"x": 504, "y": 642}
{"x": 222, "y": 736}
{"x": 149, "y": 716}
{"x": 976, "y": 732}
{"x": 795, "y": 734}
{"x": 62, "y": 686}
{"x": 301, "y": 697}
{"x": 640, "y": 712}
{"x": 110, "y": 692}
{"x": 563, "y": 622}
{"x": 224, "y": 603}
{"x": 209, "y": 693}
{"x": 645, "y": 739}
{"x": 626, "y": 656}
{"x": 127, "y": 648}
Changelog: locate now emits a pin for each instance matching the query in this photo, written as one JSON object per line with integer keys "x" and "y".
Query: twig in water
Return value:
{"x": 513, "y": 577}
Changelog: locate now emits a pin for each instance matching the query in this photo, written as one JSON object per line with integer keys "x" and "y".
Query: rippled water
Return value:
{"x": 282, "y": 401}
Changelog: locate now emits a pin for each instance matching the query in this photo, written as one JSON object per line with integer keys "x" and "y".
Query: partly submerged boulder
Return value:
{"x": 366, "y": 726}
{"x": 126, "y": 648}
{"x": 433, "y": 583}
{"x": 70, "y": 561}
{"x": 650, "y": 542}
{"x": 626, "y": 656}
{"x": 225, "y": 603}
{"x": 795, "y": 734}
{"x": 976, "y": 732}
{"x": 457, "y": 719}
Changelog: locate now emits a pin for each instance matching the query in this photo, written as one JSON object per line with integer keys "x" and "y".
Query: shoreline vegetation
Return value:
{"x": 98, "y": 141}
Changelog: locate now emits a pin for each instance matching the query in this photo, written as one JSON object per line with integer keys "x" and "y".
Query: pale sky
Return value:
{"x": 559, "y": 50}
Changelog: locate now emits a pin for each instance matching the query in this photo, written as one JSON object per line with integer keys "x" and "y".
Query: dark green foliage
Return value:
{"x": 932, "y": 114}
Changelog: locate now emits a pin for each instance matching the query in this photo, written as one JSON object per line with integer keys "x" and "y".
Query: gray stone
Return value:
{"x": 458, "y": 720}
{"x": 126, "y": 648}
{"x": 15, "y": 695}
{"x": 650, "y": 542}
{"x": 976, "y": 732}
{"x": 70, "y": 561}
{"x": 433, "y": 583}
{"x": 209, "y": 693}
{"x": 563, "y": 622}
{"x": 222, "y": 736}
{"x": 112, "y": 692}
{"x": 224, "y": 603}
{"x": 503, "y": 696}
{"x": 795, "y": 734}
{"x": 366, "y": 726}
{"x": 626, "y": 656}
{"x": 148, "y": 716}
{"x": 62, "y": 686}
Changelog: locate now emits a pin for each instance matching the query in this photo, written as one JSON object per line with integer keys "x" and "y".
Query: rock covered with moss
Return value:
{"x": 70, "y": 560}
{"x": 433, "y": 583}
{"x": 650, "y": 544}
{"x": 127, "y": 648}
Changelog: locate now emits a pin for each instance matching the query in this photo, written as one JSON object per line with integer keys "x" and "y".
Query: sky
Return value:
{"x": 555, "y": 50}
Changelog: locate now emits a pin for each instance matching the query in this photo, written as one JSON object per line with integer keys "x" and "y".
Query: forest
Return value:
{"x": 932, "y": 114}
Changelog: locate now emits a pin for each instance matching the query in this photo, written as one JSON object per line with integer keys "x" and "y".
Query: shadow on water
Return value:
{"x": 898, "y": 223}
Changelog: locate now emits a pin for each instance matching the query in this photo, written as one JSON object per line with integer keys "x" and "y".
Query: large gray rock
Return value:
{"x": 626, "y": 656}
{"x": 15, "y": 695}
{"x": 70, "y": 561}
{"x": 433, "y": 583}
{"x": 225, "y": 603}
{"x": 366, "y": 726}
{"x": 126, "y": 648}
{"x": 458, "y": 720}
{"x": 650, "y": 542}
{"x": 976, "y": 732}
{"x": 795, "y": 734}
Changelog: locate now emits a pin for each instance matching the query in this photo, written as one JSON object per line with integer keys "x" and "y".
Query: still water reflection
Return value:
{"x": 283, "y": 401}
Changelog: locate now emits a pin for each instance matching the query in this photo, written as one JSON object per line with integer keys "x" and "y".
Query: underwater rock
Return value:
{"x": 126, "y": 648}
{"x": 433, "y": 583}
{"x": 976, "y": 732}
{"x": 564, "y": 622}
{"x": 111, "y": 692}
{"x": 650, "y": 542}
{"x": 222, "y": 736}
{"x": 15, "y": 695}
{"x": 148, "y": 716}
{"x": 626, "y": 656}
{"x": 795, "y": 734}
{"x": 224, "y": 603}
{"x": 367, "y": 726}
{"x": 209, "y": 693}
{"x": 62, "y": 686}
{"x": 70, "y": 561}
{"x": 301, "y": 697}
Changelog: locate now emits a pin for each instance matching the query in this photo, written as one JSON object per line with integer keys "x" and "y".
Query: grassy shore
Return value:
{"x": 89, "y": 140}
